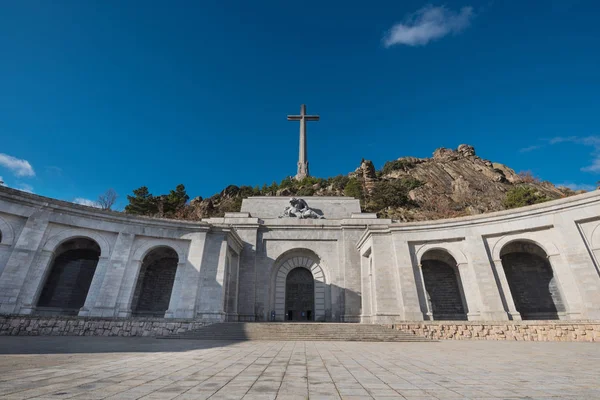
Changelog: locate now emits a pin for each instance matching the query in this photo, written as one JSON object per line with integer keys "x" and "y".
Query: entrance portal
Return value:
{"x": 299, "y": 295}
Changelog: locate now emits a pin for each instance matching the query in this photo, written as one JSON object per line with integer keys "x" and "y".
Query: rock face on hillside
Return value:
{"x": 458, "y": 182}
{"x": 451, "y": 183}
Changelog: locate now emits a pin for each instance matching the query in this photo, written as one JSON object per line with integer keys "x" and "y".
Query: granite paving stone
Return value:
{"x": 147, "y": 368}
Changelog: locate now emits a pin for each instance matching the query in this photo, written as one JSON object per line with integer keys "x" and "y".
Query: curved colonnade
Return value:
{"x": 534, "y": 263}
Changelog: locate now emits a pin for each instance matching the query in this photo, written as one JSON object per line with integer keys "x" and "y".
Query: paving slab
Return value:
{"x": 146, "y": 368}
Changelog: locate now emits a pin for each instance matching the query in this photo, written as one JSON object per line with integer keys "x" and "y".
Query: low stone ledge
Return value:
{"x": 539, "y": 331}
{"x": 30, "y": 325}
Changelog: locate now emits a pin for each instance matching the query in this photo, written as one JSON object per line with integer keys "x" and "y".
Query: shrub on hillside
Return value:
{"x": 393, "y": 193}
{"x": 521, "y": 196}
{"x": 396, "y": 165}
{"x": 354, "y": 189}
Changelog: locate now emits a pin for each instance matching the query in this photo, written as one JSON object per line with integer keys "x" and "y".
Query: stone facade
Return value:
{"x": 540, "y": 331}
{"x": 530, "y": 263}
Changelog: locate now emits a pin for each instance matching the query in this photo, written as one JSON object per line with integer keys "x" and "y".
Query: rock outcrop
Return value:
{"x": 458, "y": 182}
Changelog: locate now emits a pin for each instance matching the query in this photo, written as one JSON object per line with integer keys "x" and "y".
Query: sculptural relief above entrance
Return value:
{"x": 299, "y": 208}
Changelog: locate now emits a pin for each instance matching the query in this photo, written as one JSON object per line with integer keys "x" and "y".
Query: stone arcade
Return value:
{"x": 539, "y": 262}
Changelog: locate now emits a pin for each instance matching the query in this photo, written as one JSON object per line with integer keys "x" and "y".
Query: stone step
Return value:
{"x": 298, "y": 332}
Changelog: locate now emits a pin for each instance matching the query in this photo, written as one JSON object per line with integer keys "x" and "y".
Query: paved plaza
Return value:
{"x": 146, "y": 368}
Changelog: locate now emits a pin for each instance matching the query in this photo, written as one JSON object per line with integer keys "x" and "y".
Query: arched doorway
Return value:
{"x": 532, "y": 284}
{"x": 283, "y": 266}
{"x": 70, "y": 276}
{"x": 443, "y": 286}
{"x": 155, "y": 283}
{"x": 300, "y": 295}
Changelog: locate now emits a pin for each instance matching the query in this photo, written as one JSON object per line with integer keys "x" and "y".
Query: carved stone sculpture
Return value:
{"x": 298, "y": 208}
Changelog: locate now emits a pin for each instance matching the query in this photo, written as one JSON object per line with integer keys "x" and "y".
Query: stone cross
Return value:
{"x": 303, "y": 157}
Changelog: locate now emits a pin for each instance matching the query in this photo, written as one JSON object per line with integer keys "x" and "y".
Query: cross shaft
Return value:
{"x": 303, "y": 155}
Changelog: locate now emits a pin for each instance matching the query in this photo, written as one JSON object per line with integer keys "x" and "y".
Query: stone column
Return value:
{"x": 127, "y": 288}
{"x": 232, "y": 287}
{"x": 426, "y": 300}
{"x": 94, "y": 290}
{"x": 507, "y": 294}
{"x": 582, "y": 295}
{"x": 210, "y": 304}
{"x": 36, "y": 278}
{"x": 365, "y": 282}
{"x": 492, "y": 308}
{"x": 185, "y": 294}
{"x": 569, "y": 292}
{"x": 25, "y": 251}
{"x": 411, "y": 307}
{"x": 468, "y": 290}
{"x": 247, "y": 273}
{"x": 104, "y": 302}
{"x": 386, "y": 292}
{"x": 350, "y": 269}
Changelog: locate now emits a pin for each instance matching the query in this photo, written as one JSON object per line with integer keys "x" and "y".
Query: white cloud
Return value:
{"x": 24, "y": 187}
{"x": 86, "y": 202}
{"x": 594, "y": 167}
{"x": 2, "y": 182}
{"x": 530, "y": 148}
{"x": 427, "y": 24}
{"x": 577, "y": 186}
{"x": 588, "y": 141}
{"x": 18, "y": 166}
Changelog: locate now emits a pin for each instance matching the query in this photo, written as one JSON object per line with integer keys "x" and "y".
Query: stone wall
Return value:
{"x": 543, "y": 331}
{"x": 19, "y": 325}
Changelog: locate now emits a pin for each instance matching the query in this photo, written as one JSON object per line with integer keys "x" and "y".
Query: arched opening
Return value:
{"x": 300, "y": 295}
{"x": 533, "y": 286}
{"x": 155, "y": 282}
{"x": 312, "y": 263}
{"x": 70, "y": 276}
{"x": 443, "y": 286}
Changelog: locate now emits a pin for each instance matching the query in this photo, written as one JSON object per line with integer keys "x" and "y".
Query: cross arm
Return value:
{"x": 294, "y": 117}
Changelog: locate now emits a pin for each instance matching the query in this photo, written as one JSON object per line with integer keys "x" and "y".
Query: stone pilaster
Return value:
{"x": 492, "y": 308}
{"x": 23, "y": 256}
{"x": 350, "y": 265}
{"x": 579, "y": 265}
{"x": 386, "y": 293}
{"x": 409, "y": 295}
{"x": 210, "y": 305}
{"x": 468, "y": 290}
{"x": 185, "y": 294}
{"x": 103, "y": 303}
{"x": 95, "y": 285}
{"x": 247, "y": 273}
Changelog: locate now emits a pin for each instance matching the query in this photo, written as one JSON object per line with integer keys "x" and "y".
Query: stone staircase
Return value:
{"x": 312, "y": 331}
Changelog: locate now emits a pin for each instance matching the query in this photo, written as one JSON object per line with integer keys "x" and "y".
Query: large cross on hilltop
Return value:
{"x": 303, "y": 157}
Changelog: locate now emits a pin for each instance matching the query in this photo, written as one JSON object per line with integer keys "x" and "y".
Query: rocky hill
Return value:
{"x": 451, "y": 183}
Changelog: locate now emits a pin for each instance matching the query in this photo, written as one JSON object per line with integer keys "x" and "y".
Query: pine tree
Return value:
{"x": 141, "y": 203}
{"x": 175, "y": 200}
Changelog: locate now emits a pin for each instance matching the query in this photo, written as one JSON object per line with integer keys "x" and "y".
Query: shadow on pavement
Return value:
{"x": 94, "y": 344}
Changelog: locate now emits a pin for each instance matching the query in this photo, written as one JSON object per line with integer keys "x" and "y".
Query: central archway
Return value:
{"x": 286, "y": 265}
{"x": 299, "y": 295}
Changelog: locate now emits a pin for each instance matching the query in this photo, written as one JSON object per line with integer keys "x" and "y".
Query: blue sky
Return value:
{"x": 124, "y": 94}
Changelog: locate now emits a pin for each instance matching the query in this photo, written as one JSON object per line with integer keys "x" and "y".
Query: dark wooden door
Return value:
{"x": 300, "y": 295}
